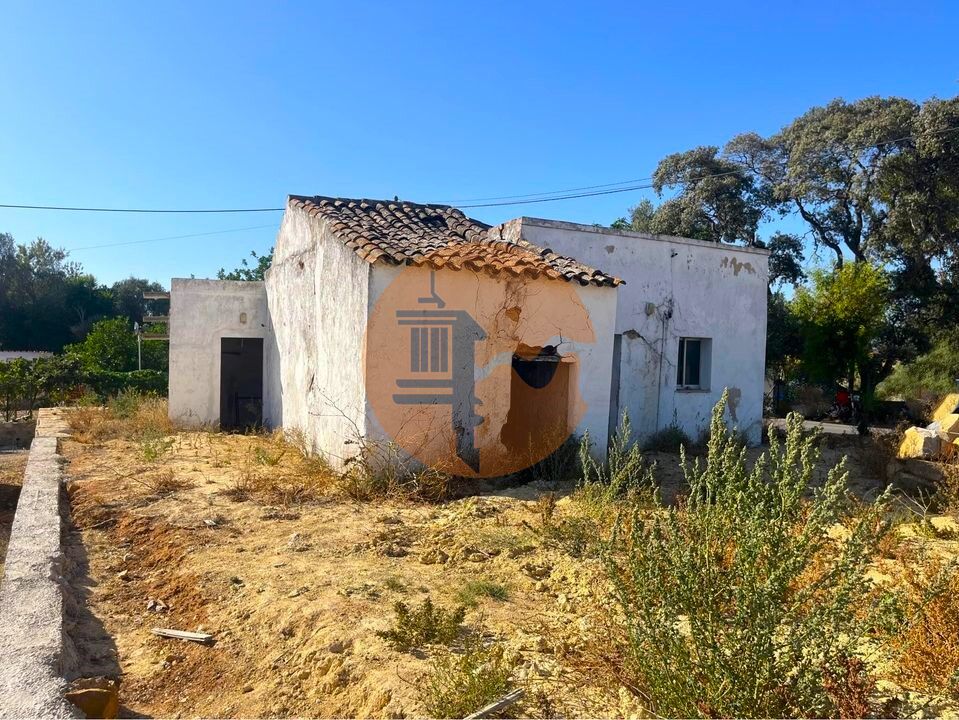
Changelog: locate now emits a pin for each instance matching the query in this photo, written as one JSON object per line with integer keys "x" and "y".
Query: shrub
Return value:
{"x": 624, "y": 472}
{"x": 243, "y": 487}
{"x": 670, "y": 439}
{"x": 162, "y": 483}
{"x": 464, "y": 682}
{"x": 470, "y": 594}
{"x": 414, "y": 628}
{"x": 737, "y": 603}
{"x": 125, "y": 404}
{"x": 153, "y": 446}
{"x": 928, "y": 646}
{"x": 107, "y": 383}
{"x": 263, "y": 456}
{"x": 929, "y": 375}
{"x": 134, "y": 417}
{"x": 382, "y": 470}
{"x": 559, "y": 465}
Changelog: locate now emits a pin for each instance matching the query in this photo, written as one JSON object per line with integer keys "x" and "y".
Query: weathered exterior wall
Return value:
{"x": 202, "y": 312}
{"x": 676, "y": 287}
{"x": 317, "y": 296}
{"x": 578, "y": 320}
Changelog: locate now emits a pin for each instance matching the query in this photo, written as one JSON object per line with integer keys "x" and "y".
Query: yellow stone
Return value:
{"x": 96, "y": 702}
{"x": 919, "y": 443}
{"x": 948, "y": 408}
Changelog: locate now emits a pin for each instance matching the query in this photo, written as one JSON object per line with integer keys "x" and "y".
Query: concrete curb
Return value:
{"x": 31, "y": 597}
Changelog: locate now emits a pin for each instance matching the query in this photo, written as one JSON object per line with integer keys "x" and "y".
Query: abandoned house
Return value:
{"x": 480, "y": 349}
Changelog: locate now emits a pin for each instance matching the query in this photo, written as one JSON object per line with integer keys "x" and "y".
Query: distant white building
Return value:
{"x": 7, "y": 355}
{"x": 466, "y": 344}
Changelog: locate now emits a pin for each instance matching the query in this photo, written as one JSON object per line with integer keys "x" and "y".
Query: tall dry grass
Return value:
{"x": 127, "y": 417}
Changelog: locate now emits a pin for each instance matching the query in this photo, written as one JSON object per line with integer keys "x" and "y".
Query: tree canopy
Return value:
{"x": 872, "y": 182}
{"x": 48, "y": 302}
{"x": 246, "y": 271}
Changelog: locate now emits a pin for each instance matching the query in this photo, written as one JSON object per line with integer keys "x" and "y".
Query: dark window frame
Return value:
{"x": 692, "y": 368}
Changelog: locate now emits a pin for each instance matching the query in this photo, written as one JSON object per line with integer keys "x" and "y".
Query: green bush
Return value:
{"x": 670, "y": 439}
{"x": 462, "y": 683}
{"x": 414, "y": 628}
{"x": 107, "y": 383}
{"x": 738, "y": 603}
{"x": 624, "y": 473}
{"x": 929, "y": 375}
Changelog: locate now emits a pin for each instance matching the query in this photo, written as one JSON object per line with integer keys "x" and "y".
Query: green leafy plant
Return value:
{"x": 460, "y": 683}
{"x": 738, "y": 602}
{"x": 623, "y": 473}
{"x": 264, "y": 457}
{"x": 153, "y": 446}
{"x": 416, "y": 627}
{"x": 471, "y": 593}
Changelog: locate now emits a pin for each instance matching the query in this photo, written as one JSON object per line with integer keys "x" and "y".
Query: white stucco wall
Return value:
{"x": 317, "y": 295}
{"x": 593, "y": 357}
{"x": 686, "y": 288}
{"x": 202, "y": 312}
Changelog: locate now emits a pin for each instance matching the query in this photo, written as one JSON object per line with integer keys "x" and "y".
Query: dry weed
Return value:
{"x": 147, "y": 416}
{"x": 163, "y": 482}
{"x": 928, "y": 648}
{"x": 947, "y": 493}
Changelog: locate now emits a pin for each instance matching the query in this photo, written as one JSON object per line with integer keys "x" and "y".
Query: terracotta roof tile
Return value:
{"x": 401, "y": 232}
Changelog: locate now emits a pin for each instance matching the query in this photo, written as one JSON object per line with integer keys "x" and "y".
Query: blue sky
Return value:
{"x": 206, "y": 104}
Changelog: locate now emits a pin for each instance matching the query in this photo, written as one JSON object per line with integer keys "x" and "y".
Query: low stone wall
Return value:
{"x": 31, "y": 597}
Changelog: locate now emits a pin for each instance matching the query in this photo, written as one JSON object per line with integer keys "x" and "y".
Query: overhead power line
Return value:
{"x": 543, "y": 194}
{"x": 137, "y": 210}
{"x": 172, "y": 237}
{"x": 500, "y": 201}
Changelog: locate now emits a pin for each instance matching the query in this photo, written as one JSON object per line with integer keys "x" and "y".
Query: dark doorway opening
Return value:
{"x": 538, "y": 417}
{"x": 241, "y": 383}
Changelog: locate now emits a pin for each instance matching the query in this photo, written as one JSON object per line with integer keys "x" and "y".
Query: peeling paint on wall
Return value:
{"x": 610, "y": 249}
{"x": 737, "y": 266}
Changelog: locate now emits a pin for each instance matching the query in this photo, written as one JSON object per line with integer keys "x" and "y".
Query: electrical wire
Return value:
{"x": 501, "y": 201}
{"x": 171, "y": 237}
{"x": 136, "y": 210}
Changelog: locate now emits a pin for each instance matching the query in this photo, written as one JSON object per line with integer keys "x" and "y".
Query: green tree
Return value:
{"x": 841, "y": 317}
{"x": 128, "y": 302}
{"x": 640, "y": 218}
{"x": 45, "y": 301}
{"x": 826, "y": 166}
{"x": 715, "y": 200}
{"x": 784, "y": 338}
{"x": 249, "y": 272}
{"x": 110, "y": 345}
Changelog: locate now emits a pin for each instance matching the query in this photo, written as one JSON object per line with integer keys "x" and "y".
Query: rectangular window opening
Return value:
{"x": 692, "y": 366}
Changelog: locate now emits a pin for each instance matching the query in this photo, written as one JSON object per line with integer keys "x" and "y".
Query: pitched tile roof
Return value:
{"x": 401, "y": 232}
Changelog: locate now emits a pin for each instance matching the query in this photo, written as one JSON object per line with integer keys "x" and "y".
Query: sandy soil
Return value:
{"x": 295, "y": 594}
{"x": 11, "y": 476}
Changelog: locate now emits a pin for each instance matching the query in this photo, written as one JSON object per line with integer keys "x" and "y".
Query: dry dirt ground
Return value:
{"x": 294, "y": 594}
{"x": 11, "y": 476}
